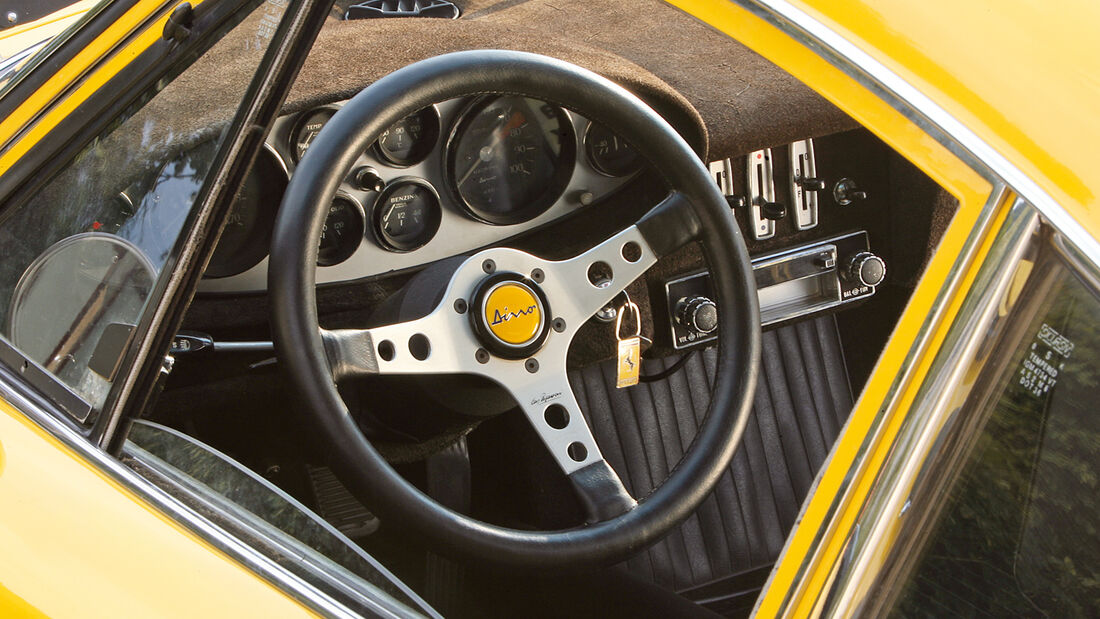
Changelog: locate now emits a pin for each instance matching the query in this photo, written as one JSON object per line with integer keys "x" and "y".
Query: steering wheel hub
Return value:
{"x": 509, "y": 314}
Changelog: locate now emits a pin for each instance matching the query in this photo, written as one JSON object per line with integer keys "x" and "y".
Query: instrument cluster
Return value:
{"x": 449, "y": 179}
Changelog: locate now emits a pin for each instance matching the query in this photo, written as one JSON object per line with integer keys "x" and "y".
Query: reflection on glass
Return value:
{"x": 137, "y": 183}
{"x": 75, "y": 306}
{"x": 1019, "y": 535}
{"x": 224, "y": 477}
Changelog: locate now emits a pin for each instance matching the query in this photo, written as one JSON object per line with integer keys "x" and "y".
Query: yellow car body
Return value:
{"x": 1013, "y": 87}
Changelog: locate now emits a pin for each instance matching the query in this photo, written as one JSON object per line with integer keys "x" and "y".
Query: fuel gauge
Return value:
{"x": 407, "y": 215}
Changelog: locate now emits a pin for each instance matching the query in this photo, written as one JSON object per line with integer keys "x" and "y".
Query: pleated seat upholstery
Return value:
{"x": 802, "y": 400}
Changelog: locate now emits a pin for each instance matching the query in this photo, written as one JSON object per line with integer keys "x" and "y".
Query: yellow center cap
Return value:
{"x": 513, "y": 313}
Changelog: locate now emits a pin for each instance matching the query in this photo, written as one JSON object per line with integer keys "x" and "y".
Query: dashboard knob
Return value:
{"x": 698, "y": 313}
{"x": 773, "y": 211}
{"x": 812, "y": 184}
{"x": 846, "y": 192}
{"x": 866, "y": 268}
{"x": 367, "y": 179}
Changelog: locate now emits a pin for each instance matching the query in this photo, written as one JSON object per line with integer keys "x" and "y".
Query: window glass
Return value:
{"x": 213, "y": 472}
{"x": 1018, "y": 535}
{"x": 82, "y": 255}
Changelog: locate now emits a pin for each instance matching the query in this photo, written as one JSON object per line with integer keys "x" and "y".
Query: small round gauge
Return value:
{"x": 510, "y": 158}
{"x": 609, "y": 154}
{"x": 407, "y": 215}
{"x": 342, "y": 232}
{"x": 306, "y": 130}
{"x": 411, "y": 139}
{"x": 247, "y": 234}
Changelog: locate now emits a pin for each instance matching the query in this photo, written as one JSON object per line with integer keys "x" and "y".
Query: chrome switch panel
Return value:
{"x": 761, "y": 190}
{"x": 804, "y": 198}
{"x": 722, "y": 173}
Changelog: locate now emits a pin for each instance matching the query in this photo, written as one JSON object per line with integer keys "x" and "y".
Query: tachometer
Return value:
{"x": 510, "y": 158}
{"x": 410, "y": 139}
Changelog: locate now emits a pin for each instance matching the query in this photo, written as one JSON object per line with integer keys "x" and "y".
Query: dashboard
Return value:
{"x": 450, "y": 179}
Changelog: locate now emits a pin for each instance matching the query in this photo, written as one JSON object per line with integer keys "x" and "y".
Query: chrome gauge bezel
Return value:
{"x": 299, "y": 121}
{"x": 516, "y": 214}
{"x": 376, "y": 215}
{"x": 437, "y": 131}
{"x": 595, "y": 164}
{"x": 458, "y": 232}
{"x": 360, "y": 235}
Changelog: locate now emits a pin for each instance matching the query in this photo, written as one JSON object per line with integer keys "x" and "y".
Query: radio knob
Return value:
{"x": 698, "y": 314}
{"x": 866, "y": 268}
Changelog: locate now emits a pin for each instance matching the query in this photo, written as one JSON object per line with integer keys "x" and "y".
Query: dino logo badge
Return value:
{"x": 513, "y": 314}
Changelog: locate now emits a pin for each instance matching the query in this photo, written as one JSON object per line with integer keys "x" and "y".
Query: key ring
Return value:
{"x": 637, "y": 320}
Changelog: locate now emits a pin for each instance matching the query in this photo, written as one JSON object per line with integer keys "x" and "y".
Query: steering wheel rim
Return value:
{"x": 694, "y": 210}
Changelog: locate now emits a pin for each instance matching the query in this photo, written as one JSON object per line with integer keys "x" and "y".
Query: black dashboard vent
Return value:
{"x": 372, "y": 9}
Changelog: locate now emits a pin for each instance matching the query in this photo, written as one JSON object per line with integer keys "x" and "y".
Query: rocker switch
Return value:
{"x": 761, "y": 187}
{"x": 804, "y": 184}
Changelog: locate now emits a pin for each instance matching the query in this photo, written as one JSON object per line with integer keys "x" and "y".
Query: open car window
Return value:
{"x": 82, "y": 254}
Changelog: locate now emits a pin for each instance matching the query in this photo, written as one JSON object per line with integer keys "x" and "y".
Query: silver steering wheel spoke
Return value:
{"x": 581, "y": 285}
{"x": 433, "y": 344}
{"x": 552, "y": 410}
{"x": 468, "y": 332}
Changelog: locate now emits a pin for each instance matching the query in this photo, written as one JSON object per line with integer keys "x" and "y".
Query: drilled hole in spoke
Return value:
{"x": 578, "y": 452}
{"x": 557, "y": 417}
{"x": 600, "y": 274}
{"x": 420, "y": 346}
{"x": 632, "y": 252}
{"x": 386, "y": 350}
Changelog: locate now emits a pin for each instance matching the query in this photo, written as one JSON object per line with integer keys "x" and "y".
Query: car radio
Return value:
{"x": 792, "y": 283}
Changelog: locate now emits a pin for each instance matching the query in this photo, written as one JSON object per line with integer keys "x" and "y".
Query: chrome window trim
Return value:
{"x": 934, "y": 413}
{"x": 312, "y": 565}
{"x": 964, "y": 143}
{"x": 51, "y": 45}
{"x": 39, "y": 412}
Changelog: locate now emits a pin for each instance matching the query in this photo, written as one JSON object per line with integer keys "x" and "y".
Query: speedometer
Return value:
{"x": 510, "y": 158}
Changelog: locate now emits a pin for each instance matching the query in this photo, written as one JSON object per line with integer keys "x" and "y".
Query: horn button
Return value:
{"x": 510, "y": 315}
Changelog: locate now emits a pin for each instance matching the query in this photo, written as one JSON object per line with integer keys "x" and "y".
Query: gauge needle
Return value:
{"x": 486, "y": 153}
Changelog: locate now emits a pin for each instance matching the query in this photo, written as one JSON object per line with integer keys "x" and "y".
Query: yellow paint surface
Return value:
{"x": 74, "y": 83}
{"x": 75, "y": 544}
{"x": 513, "y": 314}
{"x": 1022, "y": 74}
{"x": 17, "y": 38}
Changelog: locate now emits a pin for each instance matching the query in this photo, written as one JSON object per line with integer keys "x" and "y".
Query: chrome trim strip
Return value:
{"x": 917, "y": 438}
{"x": 52, "y": 45}
{"x": 188, "y": 518}
{"x": 319, "y": 569}
{"x": 904, "y": 375}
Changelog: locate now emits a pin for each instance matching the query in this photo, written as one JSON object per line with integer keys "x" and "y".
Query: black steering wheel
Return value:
{"x": 556, "y": 298}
